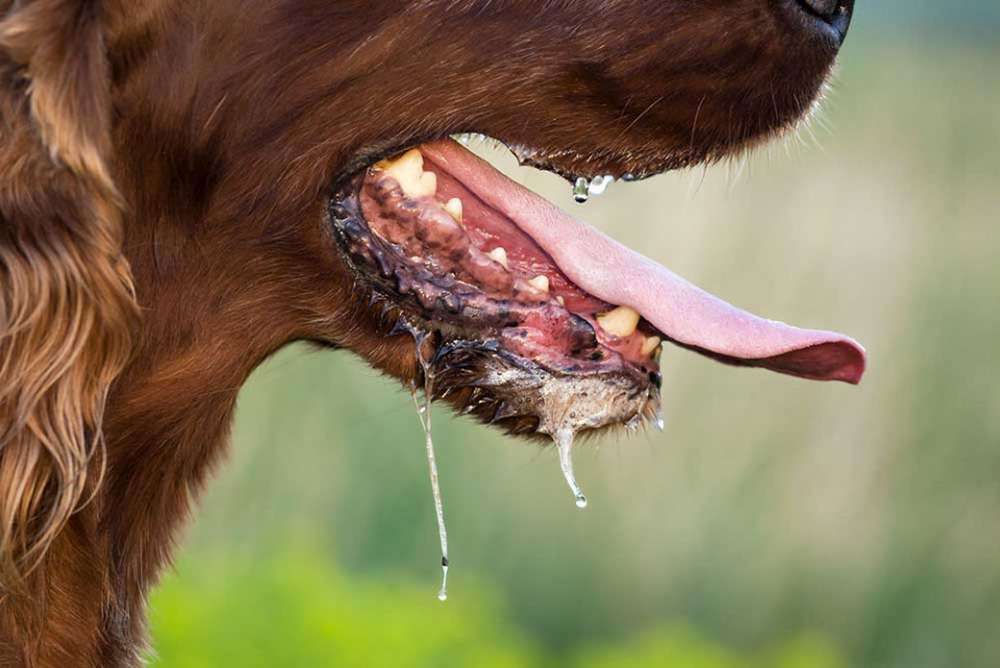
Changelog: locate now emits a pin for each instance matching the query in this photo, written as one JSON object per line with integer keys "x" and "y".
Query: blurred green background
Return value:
{"x": 775, "y": 524}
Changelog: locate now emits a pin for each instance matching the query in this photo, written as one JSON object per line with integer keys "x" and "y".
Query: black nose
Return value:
{"x": 832, "y": 16}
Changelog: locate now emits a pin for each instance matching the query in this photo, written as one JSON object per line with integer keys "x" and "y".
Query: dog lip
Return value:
{"x": 478, "y": 365}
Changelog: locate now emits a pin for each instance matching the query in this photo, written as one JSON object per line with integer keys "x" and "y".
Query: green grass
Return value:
{"x": 775, "y": 524}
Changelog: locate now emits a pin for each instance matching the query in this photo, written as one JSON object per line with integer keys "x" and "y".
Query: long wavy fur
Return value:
{"x": 67, "y": 308}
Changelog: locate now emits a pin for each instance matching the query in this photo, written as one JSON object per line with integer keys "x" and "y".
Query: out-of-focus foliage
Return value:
{"x": 294, "y": 611}
{"x": 681, "y": 646}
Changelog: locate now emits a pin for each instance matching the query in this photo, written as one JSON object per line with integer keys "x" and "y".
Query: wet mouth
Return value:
{"x": 532, "y": 319}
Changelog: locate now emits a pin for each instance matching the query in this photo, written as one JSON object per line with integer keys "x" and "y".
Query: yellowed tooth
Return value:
{"x": 408, "y": 170}
{"x": 454, "y": 207}
{"x": 499, "y": 255}
{"x": 411, "y": 162}
{"x": 620, "y": 322}
{"x": 428, "y": 185}
{"x": 650, "y": 346}
{"x": 540, "y": 283}
{"x": 562, "y": 302}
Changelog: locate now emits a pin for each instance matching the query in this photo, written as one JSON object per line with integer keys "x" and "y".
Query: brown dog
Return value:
{"x": 187, "y": 186}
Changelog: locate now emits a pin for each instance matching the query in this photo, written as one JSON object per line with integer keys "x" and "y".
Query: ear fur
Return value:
{"x": 67, "y": 309}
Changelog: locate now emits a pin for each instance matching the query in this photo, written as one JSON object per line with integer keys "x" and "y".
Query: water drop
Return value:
{"x": 600, "y": 185}
{"x": 581, "y": 190}
{"x": 564, "y": 442}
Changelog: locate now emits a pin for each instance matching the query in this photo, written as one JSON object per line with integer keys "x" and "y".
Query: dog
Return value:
{"x": 187, "y": 186}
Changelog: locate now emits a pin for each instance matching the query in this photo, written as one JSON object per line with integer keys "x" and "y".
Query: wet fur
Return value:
{"x": 164, "y": 169}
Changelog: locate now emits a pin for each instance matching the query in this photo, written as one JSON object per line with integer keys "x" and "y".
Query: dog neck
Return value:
{"x": 167, "y": 426}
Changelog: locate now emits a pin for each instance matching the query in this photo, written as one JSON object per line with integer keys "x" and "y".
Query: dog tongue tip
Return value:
{"x": 839, "y": 359}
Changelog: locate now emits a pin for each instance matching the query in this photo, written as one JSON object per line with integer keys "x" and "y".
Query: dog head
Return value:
{"x": 262, "y": 168}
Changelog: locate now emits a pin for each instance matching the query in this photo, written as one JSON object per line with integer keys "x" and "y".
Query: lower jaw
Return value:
{"x": 474, "y": 355}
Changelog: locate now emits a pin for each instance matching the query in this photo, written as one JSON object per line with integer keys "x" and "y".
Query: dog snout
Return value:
{"x": 832, "y": 17}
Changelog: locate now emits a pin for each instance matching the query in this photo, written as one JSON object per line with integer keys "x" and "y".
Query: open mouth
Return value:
{"x": 539, "y": 322}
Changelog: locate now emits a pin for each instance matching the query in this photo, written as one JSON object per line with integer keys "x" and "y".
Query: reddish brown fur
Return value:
{"x": 195, "y": 142}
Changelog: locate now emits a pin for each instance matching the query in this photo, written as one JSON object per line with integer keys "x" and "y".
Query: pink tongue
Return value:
{"x": 618, "y": 275}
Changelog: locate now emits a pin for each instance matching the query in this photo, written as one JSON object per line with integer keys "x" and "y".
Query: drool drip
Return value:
{"x": 584, "y": 188}
{"x": 564, "y": 442}
{"x": 424, "y": 414}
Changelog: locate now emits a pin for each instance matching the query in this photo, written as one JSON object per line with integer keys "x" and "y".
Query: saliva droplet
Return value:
{"x": 600, "y": 185}
{"x": 443, "y": 594}
{"x": 581, "y": 190}
{"x": 564, "y": 443}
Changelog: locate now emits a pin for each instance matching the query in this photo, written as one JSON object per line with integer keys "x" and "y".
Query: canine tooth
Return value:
{"x": 428, "y": 183}
{"x": 411, "y": 162}
{"x": 540, "y": 283}
{"x": 499, "y": 255}
{"x": 408, "y": 170}
{"x": 650, "y": 345}
{"x": 454, "y": 207}
{"x": 620, "y": 322}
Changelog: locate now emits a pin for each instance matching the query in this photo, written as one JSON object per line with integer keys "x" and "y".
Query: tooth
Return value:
{"x": 454, "y": 207}
{"x": 650, "y": 345}
{"x": 499, "y": 255}
{"x": 540, "y": 283}
{"x": 620, "y": 322}
{"x": 562, "y": 302}
{"x": 411, "y": 162}
{"x": 428, "y": 185}
{"x": 408, "y": 170}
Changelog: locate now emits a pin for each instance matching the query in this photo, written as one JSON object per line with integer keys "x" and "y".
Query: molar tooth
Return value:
{"x": 454, "y": 207}
{"x": 499, "y": 255}
{"x": 650, "y": 346}
{"x": 540, "y": 283}
{"x": 620, "y": 322}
